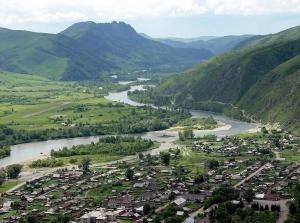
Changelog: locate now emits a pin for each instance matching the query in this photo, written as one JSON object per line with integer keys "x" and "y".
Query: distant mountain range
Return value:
{"x": 89, "y": 50}
{"x": 217, "y": 45}
{"x": 262, "y": 76}
{"x": 183, "y": 40}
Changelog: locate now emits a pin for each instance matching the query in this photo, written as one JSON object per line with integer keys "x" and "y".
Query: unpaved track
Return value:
{"x": 46, "y": 110}
{"x": 251, "y": 175}
{"x": 284, "y": 210}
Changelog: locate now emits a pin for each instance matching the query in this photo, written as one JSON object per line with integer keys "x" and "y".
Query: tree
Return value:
{"x": 177, "y": 152}
{"x": 85, "y": 165}
{"x": 264, "y": 130}
{"x": 186, "y": 134}
{"x": 141, "y": 156}
{"x": 157, "y": 219}
{"x": 275, "y": 207}
{"x": 199, "y": 179}
{"x": 2, "y": 177}
{"x": 181, "y": 136}
{"x": 149, "y": 159}
{"x": 248, "y": 195}
{"x": 129, "y": 174}
{"x": 295, "y": 206}
{"x": 73, "y": 160}
{"x": 172, "y": 196}
{"x": 292, "y": 209}
{"x": 212, "y": 164}
{"x": 30, "y": 218}
{"x": 146, "y": 209}
{"x": 13, "y": 170}
{"x": 165, "y": 158}
{"x": 61, "y": 218}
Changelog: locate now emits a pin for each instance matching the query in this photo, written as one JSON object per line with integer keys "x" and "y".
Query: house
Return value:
{"x": 122, "y": 201}
{"x": 189, "y": 220}
{"x": 6, "y": 206}
{"x": 141, "y": 184}
{"x": 259, "y": 196}
{"x": 180, "y": 202}
{"x": 271, "y": 196}
{"x": 180, "y": 213}
{"x": 194, "y": 197}
{"x": 147, "y": 196}
{"x": 98, "y": 216}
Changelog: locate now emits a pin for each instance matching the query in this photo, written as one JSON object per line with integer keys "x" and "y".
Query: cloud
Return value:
{"x": 56, "y": 11}
{"x": 252, "y": 7}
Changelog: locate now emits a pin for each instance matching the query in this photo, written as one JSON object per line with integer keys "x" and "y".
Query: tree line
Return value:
{"x": 114, "y": 145}
{"x": 138, "y": 121}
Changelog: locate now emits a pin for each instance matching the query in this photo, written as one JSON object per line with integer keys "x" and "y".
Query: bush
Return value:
{"x": 13, "y": 170}
{"x": 73, "y": 160}
{"x": 46, "y": 163}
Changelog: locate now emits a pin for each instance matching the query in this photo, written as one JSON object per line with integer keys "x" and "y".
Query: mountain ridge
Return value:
{"x": 250, "y": 78}
{"x": 89, "y": 50}
{"x": 217, "y": 45}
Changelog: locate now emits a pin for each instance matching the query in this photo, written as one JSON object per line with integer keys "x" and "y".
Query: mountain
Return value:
{"x": 178, "y": 39}
{"x": 89, "y": 50}
{"x": 217, "y": 45}
{"x": 48, "y": 55}
{"x": 286, "y": 35}
{"x": 262, "y": 78}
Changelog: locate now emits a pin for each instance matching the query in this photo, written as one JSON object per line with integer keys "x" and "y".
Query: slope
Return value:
{"x": 89, "y": 51}
{"x": 262, "y": 78}
{"x": 118, "y": 41}
{"x": 53, "y": 56}
{"x": 217, "y": 45}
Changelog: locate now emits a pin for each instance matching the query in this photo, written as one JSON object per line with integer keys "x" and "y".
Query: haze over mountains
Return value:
{"x": 216, "y": 45}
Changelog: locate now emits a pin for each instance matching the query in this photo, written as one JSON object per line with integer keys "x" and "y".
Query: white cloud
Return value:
{"x": 253, "y": 7}
{"x": 45, "y": 11}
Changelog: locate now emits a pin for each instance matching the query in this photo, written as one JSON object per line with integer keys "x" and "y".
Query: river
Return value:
{"x": 28, "y": 151}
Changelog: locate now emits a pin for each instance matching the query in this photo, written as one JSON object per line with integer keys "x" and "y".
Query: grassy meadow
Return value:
{"x": 35, "y": 103}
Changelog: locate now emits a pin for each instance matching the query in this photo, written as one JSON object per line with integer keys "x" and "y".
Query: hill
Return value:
{"x": 88, "y": 51}
{"x": 262, "y": 77}
{"x": 217, "y": 45}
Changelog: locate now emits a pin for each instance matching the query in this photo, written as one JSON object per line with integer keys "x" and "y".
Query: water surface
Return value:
{"x": 28, "y": 151}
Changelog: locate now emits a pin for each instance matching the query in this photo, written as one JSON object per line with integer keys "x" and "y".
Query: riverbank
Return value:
{"x": 30, "y": 174}
{"x": 31, "y": 151}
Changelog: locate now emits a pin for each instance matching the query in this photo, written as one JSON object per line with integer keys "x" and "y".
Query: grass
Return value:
{"x": 105, "y": 190}
{"x": 291, "y": 155}
{"x": 95, "y": 158}
{"x": 198, "y": 123}
{"x": 195, "y": 160}
{"x": 8, "y": 214}
{"x": 37, "y": 103}
{"x": 8, "y": 185}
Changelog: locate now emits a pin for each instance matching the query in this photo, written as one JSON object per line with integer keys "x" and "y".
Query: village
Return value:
{"x": 169, "y": 187}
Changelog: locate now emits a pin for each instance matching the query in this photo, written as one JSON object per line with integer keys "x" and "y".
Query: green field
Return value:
{"x": 198, "y": 123}
{"x": 195, "y": 161}
{"x": 8, "y": 185}
{"x": 34, "y": 103}
{"x": 291, "y": 155}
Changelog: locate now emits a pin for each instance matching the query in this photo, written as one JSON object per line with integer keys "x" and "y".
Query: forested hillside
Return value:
{"x": 262, "y": 78}
{"x": 89, "y": 50}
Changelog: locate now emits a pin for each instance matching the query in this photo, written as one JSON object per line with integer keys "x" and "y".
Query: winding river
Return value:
{"x": 29, "y": 151}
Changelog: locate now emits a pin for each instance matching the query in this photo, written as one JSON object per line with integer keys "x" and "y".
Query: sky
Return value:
{"x": 157, "y": 18}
